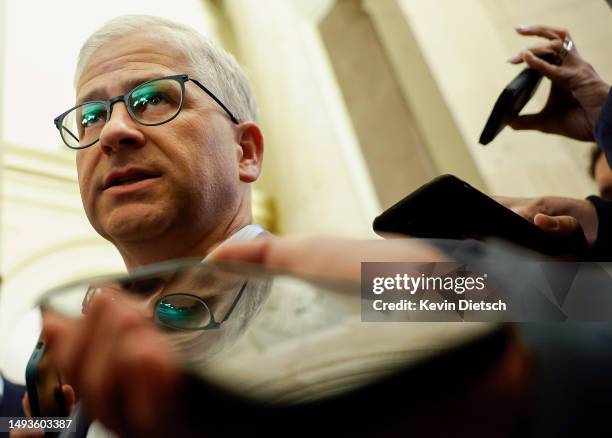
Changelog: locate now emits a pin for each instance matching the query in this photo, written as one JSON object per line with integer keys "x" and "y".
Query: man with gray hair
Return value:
{"x": 166, "y": 173}
{"x": 167, "y": 145}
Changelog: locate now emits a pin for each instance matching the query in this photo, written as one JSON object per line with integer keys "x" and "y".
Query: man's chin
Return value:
{"x": 135, "y": 223}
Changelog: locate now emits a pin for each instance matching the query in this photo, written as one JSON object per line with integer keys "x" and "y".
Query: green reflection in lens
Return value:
{"x": 147, "y": 95}
{"x": 191, "y": 314}
{"x": 92, "y": 113}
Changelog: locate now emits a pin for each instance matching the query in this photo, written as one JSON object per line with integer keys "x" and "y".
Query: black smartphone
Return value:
{"x": 44, "y": 385}
{"x": 512, "y": 100}
{"x": 449, "y": 208}
{"x": 510, "y": 103}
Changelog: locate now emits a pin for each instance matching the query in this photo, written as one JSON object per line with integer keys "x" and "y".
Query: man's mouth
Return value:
{"x": 128, "y": 176}
{"x": 124, "y": 181}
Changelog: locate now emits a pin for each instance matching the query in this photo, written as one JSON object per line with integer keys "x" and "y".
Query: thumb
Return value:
{"x": 558, "y": 225}
{"x": 25, "y": 404}
{"x": 67, "y": 397}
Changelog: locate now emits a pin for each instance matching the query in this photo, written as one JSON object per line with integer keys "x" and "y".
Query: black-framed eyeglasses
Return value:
{"x": 152, "y": 103}
{"x": 178, "y": 311}
{"x": 184, "y": 311}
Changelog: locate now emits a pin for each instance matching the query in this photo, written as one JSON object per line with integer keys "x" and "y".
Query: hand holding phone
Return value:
{"x": 512, "y": 100}
{"x": 47, "y": 396}
{"x": 425, "y": 213}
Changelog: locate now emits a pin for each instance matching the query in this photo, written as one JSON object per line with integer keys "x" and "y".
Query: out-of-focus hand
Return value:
{"x": 557, "y": 215}
{"x": 326, "y": 256}
{"x": 123, "y": 369}
{"x": 69, "y": 398}
{"x": 577, "y": 92}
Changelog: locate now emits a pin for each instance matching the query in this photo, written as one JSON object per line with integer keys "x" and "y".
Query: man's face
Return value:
{"x": 603, "y": 177}
{"x": 183, "y": 174}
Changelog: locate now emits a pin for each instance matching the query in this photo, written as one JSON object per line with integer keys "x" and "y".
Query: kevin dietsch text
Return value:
{"x": 445, "y": 306}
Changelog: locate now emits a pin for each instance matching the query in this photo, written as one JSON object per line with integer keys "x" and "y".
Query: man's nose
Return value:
{"x": 120, "y": 132}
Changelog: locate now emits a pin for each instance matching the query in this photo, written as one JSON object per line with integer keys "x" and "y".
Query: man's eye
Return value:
{"x": 143, "y": 101}
{"x": 89, "y": 119}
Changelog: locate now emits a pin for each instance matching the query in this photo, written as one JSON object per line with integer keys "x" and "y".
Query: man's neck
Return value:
{"x": 178, "y": 245}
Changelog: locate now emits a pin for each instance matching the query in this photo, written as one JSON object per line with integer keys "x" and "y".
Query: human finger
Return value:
{"x": 148, "y": 358}
{"x": 69, "y": 397}
{"x": 547, "y": 32}
{"x": 546, "y": 51}
{"x": 516, "y": 59}
{"x": 26, "y": 434}
{"x": 65, "y": 341}
{"x": 551, "y": 71}
{"x": 551, "y": 49}
{"x": 137, "y": 379}
{"x": 99, "y": 376}
{"x": 69, "y": 341}
{"x": 558, "y": 225}
{"x": 25, "y": 404}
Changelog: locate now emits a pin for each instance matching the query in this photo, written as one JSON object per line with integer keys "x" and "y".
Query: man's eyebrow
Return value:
{"x": 127, "y": 86}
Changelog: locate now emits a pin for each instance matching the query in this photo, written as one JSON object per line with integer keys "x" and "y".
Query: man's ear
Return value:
{"x": 251, "y": 151}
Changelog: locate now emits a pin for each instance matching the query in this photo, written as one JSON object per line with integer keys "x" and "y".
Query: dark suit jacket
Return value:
{"x": 10, "y": 404}
{"x": 603, "y": 129}
{"x": 603, "y": 137}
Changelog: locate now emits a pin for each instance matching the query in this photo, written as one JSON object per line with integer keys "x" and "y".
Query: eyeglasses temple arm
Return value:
{"x": 207, "y": 91}
{"x": 231, "y": 309}
{"x": 71, "y": 134}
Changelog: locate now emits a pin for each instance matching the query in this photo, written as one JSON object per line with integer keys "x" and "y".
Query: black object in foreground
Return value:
{"x": 449, "y": 208}
{"x": 390, "y": 406}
